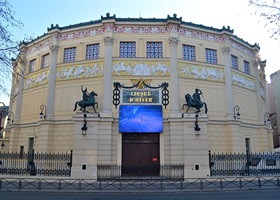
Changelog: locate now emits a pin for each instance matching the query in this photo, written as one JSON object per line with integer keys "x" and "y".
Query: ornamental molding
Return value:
{"x": 173, "y": 41}
{"x": 241, "y": 48}
{"x": 201, "y": 72}
{"x": 80, "y": 71}
{"x": 137, "y": 68}
{"x": 54, "y": 48}
{"x": 226, "y": 50}
{"x": 108, "y": 40}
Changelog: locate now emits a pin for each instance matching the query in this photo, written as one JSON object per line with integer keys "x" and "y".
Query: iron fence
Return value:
{"x": 244, "y": 164}
{"x": 42, "y": 164}
{"x": 114, "y": 172}
{"x": 146, "y": 185}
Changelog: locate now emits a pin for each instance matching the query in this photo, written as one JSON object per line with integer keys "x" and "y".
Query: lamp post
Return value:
{"x": 236, "y": 115}
{"x": 267, "y": 119}
{"x": 43, "y": 111}
{"x": 84, "y": 128}
{"x": 10, "y": 117}
{"x": 196, "y": 127}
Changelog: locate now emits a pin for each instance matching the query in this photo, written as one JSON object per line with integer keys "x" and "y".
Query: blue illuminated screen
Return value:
{"x": 140, "y": 119}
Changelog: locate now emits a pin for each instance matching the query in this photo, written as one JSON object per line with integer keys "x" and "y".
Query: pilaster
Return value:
{"x": 23, "y": 63}
{"x": 228, "y": 83}
{"x": 174, "y": 78}
{"x": 51, "y": 82}
{"x": 107, "y": 79}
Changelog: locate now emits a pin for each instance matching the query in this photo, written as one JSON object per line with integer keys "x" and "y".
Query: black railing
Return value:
{"x": 115, "y": 172}
{"x": 244, "y": 164}
{"x": 43, "y": 164}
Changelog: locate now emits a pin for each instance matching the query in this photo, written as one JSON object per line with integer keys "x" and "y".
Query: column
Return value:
{"x": 107, "y": 79}
{"x": 51, "y": 81}
{"x": 258, "y": 92}
{"x": 228, "y": 83}
{"x": 174, "y": 79}
{"x": 23, "y": 63}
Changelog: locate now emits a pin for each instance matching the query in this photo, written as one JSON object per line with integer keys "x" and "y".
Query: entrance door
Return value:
{"x": 140, "y": 155}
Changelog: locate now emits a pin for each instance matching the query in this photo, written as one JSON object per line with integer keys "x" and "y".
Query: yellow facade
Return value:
{"x": 58, "y": 86}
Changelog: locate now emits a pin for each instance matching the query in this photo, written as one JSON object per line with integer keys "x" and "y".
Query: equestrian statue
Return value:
{"x": 195, "y": 101}
{"x": 88, "y": 100}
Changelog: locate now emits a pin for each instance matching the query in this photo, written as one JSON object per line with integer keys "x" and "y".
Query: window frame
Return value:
{"x": 149, "y": 42}
{"x": 70, "y": 60}
{"x": 94, "y": 57}
{"x": 127, "y": 52}
{"x": 45, "y": 61}
{"x": 183, "y": 55}
{"x": 216, "y": 54}
{"x": 32, "y": 68}
{"x": 232, "y": 66}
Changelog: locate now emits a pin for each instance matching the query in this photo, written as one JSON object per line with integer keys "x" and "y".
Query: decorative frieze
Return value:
{"x": 79, "y": 71}
{"x": 36, "y": 79}
{"x": 201, "y": 72}
{"x": 141, "y": 68}
{"x": 242, "y": 81}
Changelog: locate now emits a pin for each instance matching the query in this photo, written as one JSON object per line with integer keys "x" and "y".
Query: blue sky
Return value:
{"x": 38, "y": 15}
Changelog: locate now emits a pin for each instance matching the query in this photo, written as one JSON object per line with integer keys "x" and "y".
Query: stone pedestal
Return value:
{"x": 85, "y": 149}
{"x": 196, "y": 146}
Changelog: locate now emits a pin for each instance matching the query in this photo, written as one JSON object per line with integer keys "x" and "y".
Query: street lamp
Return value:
{"x": 84, "y": 128}
{"x": 2, "y": 103}
{"x": 267, "y": 119}
{"x": 10, "y": 117}
{"x": 274, "y": 125}
{"x": 43, "y": 109}
{"x": 196, "y": 127}
{"x": 236, "y": 115}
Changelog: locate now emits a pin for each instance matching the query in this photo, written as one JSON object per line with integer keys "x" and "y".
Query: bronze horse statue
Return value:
{"x": 190, "y": 102}
{"x": 91, "y": 102}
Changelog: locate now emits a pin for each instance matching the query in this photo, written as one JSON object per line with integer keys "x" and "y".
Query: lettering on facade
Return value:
{"x": 140, "y": 96}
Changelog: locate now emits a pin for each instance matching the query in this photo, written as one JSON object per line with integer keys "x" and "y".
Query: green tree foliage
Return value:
{"x": 9, "y": 47}
{"x": 269, "y": 10}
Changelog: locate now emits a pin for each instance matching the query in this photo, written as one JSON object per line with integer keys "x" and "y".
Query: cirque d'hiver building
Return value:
{"x": 141, "y": 69}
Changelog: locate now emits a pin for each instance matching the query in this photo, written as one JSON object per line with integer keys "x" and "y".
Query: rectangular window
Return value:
{"x": 32, "y": 65}
{"x": 69, "y": 55}
{"x": 127, "y": 49}
{"x": 211, "y": 56}
{"x": 234, "y": 62}
{"x": 21, "y": 151}
{"x": 188, "y": 52}
{"x": 246, "y": 67}
{"x": 154, "y": 50}
{"x": 92, "y": 52}
{"x": 45, "y": 61}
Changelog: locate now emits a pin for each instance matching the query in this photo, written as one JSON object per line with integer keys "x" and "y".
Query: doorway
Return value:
{"x": 140, "y": 155}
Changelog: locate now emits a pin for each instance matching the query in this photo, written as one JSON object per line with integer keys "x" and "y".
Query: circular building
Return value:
{"x": 139, "y": 93}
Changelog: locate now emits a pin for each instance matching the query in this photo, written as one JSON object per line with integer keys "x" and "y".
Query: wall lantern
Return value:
{"x": 84, "y": 128}
{"x": 10, "y": 117}
{"x": 43, "y": 111}
{"x": 267, "y": 119}
{"x": 236, "y": 115}
{"x": 196, "y": 127}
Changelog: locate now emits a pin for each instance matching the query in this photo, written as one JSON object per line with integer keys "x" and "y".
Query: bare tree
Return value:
{"x": 9, "y": 47}
{"x": 269, "y": 10}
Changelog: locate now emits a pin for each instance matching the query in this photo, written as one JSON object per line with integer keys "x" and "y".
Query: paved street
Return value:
{"x": 228, "y": 195}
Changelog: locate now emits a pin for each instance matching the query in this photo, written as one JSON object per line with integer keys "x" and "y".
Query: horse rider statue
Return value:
{"x": 88, "y": 100}
{"x": 195, "y": 101}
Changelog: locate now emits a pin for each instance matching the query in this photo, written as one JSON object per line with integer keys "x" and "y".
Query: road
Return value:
{"x": 215, "y": 195}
